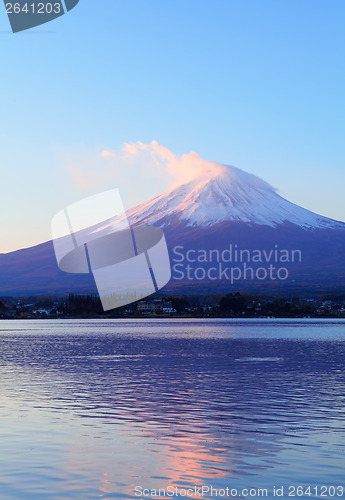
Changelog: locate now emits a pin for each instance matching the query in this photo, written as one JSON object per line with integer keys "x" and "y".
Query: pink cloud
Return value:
{"x": 140, "y": 170}
{"x": 179, "y": 169}
{"x": 107, "y": 154}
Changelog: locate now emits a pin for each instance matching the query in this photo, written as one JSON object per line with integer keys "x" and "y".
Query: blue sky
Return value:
{"x": 258, "y": 84}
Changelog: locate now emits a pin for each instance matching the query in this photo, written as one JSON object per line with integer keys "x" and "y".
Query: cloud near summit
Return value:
{"x": 140, "y": 170}
{"x": 162, "y": 162}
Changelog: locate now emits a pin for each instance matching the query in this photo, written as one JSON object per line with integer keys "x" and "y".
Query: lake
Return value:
{"x": 103, "y": 409}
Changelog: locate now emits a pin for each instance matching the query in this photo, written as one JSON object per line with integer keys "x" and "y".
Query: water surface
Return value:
{"x": 94, "y": 408}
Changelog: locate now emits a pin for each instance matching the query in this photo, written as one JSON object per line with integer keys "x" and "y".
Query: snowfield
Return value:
{"x": 227, "y": 195}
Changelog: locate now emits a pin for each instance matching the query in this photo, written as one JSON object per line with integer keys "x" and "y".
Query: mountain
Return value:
{"x": 226, "y": 230}
{"x": 231, "y": 195}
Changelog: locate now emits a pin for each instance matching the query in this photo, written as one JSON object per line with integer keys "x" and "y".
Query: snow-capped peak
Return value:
{"x": 228, "y": 195}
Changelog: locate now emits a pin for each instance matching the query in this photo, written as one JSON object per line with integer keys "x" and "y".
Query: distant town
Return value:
{"x": 232, "y": 305}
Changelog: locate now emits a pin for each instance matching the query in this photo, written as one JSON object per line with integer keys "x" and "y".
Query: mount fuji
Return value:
{"x": 224, "y": 211}
{"x": 230, "y": 195}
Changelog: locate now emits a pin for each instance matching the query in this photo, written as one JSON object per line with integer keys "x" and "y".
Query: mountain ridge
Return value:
{"x": 214, "y": 210}
{"x": 231, "y": 195}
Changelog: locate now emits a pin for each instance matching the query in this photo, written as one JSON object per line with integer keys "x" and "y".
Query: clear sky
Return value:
{"x": 258, "y": 84}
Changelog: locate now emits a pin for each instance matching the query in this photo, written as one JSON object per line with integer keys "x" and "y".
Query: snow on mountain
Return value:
{"x": 231, "y": 195}
{"x": 202, "y": 214}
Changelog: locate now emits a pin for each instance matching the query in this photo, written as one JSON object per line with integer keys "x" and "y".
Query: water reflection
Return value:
{"x": 93, "y": 409}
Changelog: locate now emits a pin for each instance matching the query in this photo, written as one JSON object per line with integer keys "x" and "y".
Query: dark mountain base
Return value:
{"x": 313, "y": 260}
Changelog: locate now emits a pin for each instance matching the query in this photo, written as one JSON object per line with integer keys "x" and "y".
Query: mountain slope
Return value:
{"x": 215, "y": 211}
{"x": 231, "y": 195}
